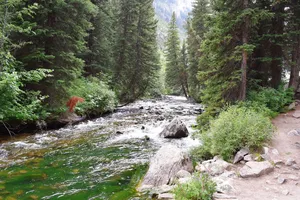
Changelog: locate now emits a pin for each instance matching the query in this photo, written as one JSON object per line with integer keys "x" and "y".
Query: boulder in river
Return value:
{"x": 164, "y": 166}
{"x": 176, "y": 129}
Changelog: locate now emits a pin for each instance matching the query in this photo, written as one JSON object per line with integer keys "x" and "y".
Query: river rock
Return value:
{"x": 281, "y": 180}
{"x": 218, "y": 196}
{"x": 184, "y": 180}
{"x": 248, "y": 158}
{"x": 295, "y": 167}
{"x": 224, "y": 184}
{"x": 290, "y": 162}
{"x": 296, "y": 114}
{"x": 292, "y": 106}
{"x": 240, "y": 155}
{"x": 162, "y": 189}
{"x": 3, "y": 153}
{"x": 166, "y": 196}
{"x": 176, "y": 129}
{"x": 167, "y": 162}
{"x": 294, "y": 133}
{"x": 256, "y": 169}
{"x": 183, "y": 174}
{"x": 214, "y": 167}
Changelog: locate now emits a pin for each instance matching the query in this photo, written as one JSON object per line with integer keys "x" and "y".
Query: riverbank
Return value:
{"x": 284, "y": 182}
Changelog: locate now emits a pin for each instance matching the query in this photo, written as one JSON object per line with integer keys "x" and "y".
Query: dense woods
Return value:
{"x": 100, "y": 50}
{"x": 106, "y": 51}
{"x": 237, "y": 47}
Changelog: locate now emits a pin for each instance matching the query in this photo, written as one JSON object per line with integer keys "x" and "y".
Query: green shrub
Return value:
{"x": 275, "y": 100}
{"x": 98, "y": 97}
{"x": 201, "y": 187}
{"x": 17, "y": 104}
{"x": 233, "y": 129}
{"x": 259, "y": 108}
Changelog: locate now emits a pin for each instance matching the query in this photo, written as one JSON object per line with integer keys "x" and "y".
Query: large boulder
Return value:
{"x": 176, "y": 129}
{"x": 164, "y": 166}
{"x": 256, "y": 169}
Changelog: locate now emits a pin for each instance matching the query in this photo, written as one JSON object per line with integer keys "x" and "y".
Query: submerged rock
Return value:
{"x": 176, "y": 129}
{"x": 164, "y": 166}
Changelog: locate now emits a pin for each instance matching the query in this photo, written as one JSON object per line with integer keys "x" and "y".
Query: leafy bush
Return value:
{"x": 15, "y": 103}
{"x": 233, "y": 129}
{"x": 259, "y": 108}
{"x": 98, "y": 97}
{"x": 201, "y": 187}
{"x": 273, "y": 99}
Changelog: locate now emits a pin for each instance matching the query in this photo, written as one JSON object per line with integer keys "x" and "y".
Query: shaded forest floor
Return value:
{"x": 269, "y": 187}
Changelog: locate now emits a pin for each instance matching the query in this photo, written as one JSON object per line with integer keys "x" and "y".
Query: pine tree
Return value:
{"x": 136, "y": 55}
{"x": 101, "y": 40}
{"x": 292, "y": 41}
{"x": 226, "y": 49}
{"x": 58, "y": 35}
{"x": 196, "y": 29}
{"x": 175, "y": 77}
{"x": 183, "y": 64}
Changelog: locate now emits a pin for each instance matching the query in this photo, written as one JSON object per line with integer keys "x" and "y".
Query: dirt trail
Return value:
{"x": 267, "y": 187}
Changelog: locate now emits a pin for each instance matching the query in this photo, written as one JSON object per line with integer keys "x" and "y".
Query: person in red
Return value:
{"x": 73, "y": 102}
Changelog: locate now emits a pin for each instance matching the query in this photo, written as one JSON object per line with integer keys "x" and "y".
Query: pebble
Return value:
{"x": 281, "y": 180}
{"x": 285, "y": 192}
{"x": 295, "y": 166}
{"x": 290, "y": 162}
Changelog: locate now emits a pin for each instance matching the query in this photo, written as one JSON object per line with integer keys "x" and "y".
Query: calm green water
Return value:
{"x": 90, "y": 161}
{"x": 82, "y": 171}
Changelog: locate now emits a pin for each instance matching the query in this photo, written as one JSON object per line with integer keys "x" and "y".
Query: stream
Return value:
{"x": 104, "y": 158}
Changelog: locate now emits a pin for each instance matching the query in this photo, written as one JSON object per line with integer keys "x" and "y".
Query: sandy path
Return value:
{"x": 267, "y": 187}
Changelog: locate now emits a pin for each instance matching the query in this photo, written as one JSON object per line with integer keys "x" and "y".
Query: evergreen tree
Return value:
{"x": 15, "y": 103}
{"x": 57, "y": 37}
{"x": 226, "y": 49}
{"x": 101, "y": 40}
{"x": 183, "y": 64}
{"x": 175, "y": 77}
{"x": 195, "y": 30}
{"x": 137, "y": 58}
{"x": 292, "y": 41}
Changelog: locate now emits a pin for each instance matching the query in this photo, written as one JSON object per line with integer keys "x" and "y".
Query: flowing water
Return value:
{"x": 100, "y": 159}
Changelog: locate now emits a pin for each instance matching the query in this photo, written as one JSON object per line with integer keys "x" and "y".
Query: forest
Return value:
{"x": 106, "y": 52}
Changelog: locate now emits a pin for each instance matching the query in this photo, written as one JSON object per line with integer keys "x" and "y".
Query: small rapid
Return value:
{"x": 96, "y": 159}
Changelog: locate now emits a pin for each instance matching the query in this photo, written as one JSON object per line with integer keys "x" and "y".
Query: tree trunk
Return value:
{"x": 294, "y": 78}
{"x": 242, "y": 95}
{"x": 184, "y": 91}
{"x": 276, "y": 49}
